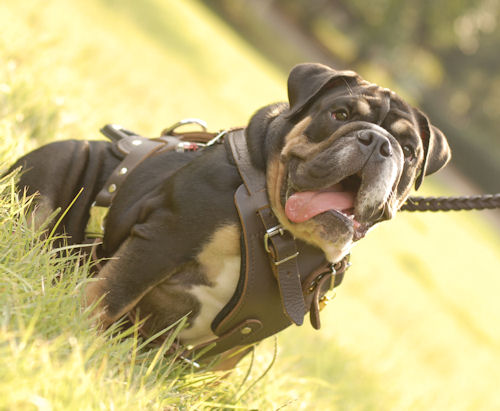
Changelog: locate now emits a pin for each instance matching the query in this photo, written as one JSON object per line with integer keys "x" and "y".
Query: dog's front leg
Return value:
{"x": 144, "y": 260}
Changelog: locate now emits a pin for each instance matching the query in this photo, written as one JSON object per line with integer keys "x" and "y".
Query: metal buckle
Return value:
{"x": 95, "y": 224}
{"x": 332, "y": 278}
{"x": 284, "y": 260}
{"x": 172, "y": 128}
{"x": 271, "y": 233}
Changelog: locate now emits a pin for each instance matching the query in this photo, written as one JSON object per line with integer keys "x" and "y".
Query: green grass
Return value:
{"x": 53, "y": 358}
{"x": 414, "y": 326}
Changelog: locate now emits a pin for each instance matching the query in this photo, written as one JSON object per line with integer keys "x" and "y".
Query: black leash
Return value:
{"x": 479, "y": 202}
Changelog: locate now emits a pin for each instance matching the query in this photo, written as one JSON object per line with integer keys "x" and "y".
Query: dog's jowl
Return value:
{"x": 339, "y": 157}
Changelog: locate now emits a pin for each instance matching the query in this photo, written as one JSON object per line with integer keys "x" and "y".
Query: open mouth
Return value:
{"x": 338, "y": 199}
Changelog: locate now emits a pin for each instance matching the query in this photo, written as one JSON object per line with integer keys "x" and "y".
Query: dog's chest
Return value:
{"x": 219, "y": 261}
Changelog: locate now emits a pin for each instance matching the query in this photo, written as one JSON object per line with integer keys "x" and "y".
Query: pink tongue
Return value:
{"x": 305, "y": 205}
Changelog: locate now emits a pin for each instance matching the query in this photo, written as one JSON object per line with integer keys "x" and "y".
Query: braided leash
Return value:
{"x": 480, "y": 202}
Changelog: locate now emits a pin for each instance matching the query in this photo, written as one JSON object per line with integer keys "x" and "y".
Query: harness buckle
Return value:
{"x": 270, "y": 233}
{"x": 278, "y": 229}
{"x": 95, "y": 225}
{"x": 284, "y": 260}
{"x": 332, "y": 278}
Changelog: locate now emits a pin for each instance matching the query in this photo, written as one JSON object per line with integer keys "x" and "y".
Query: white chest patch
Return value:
{"x": 220, "y": 261}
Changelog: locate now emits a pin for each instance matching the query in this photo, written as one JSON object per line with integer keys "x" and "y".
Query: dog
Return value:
{"x": 339, "y": 157}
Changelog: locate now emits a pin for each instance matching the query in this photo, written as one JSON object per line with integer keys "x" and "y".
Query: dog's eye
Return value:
{"x": 340, "y": 115}
{"x": 408, "y": 152}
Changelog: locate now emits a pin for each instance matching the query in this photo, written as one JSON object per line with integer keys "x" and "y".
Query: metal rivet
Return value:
{"x": 112, "y": 188}
{"x": 136, "y": 142}
{"x": 246, "y": 330}
{"x": 123, "y": 171}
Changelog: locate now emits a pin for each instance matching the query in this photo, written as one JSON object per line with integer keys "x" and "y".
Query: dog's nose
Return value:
{"x": 374, "y": 142}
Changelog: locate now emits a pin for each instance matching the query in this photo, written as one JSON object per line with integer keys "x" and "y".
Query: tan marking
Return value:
{"x": 220, "y": 261}
{"x": 296, "y": 142}
{"x": 225, "y": 242}
{"x": 401, "y": 126}
{"x": 363, "y": 107}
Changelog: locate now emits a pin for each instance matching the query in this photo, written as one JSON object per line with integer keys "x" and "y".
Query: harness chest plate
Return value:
{"x": 280, "y": 276}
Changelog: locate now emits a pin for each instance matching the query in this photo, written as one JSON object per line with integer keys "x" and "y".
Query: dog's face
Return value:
{"x": 343, "y": 156}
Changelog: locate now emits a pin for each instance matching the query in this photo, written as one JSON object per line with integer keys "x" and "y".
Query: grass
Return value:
{"x": 56, "y": 360}
{"x": 414, "y": 326}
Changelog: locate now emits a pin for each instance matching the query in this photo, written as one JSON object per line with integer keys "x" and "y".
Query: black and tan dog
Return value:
{"x": 341, "y": 156}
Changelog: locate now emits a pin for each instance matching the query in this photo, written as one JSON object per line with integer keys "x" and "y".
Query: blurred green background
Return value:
{"x": 415, "y": 323}
{"x": 442, "y": 55}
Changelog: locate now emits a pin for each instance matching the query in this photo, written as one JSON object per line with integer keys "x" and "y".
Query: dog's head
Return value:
{"x": 342, "y": 156}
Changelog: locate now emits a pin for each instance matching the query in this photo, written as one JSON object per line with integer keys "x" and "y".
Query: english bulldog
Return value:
{"x": 339, "y": 157}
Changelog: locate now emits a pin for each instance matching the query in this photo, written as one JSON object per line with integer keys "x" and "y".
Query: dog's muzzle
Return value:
{"x": 348, "y": 181}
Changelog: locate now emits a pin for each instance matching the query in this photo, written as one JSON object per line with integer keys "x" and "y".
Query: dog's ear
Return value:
{"x": 258, "y": 129}
{"x": 437, "y": 152}
{"x": 307, "y": 80}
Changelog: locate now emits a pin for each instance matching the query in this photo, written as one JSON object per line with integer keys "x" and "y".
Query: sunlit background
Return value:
{"x": 415, "y": 325}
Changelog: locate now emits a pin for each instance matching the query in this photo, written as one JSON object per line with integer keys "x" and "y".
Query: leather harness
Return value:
{"x": 281, "y": 278}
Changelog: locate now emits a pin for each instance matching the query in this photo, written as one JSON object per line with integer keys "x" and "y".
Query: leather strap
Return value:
{"x": 142, "y": 149}
{"x": 259, "y": 297}
{"x": 135, "y": 149}
{"x": 280, "y": 244}
{"x": 282, "y": 250}
{"x": 253, "y": 178}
